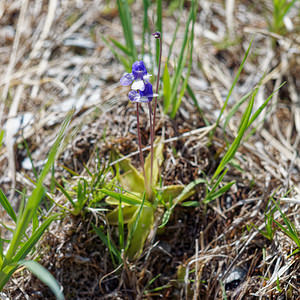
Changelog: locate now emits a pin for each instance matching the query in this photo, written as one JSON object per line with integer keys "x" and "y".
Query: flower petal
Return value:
{"x": 134, "y": 96}
{"x": 139, "y": 69}
{"x": 147, "y": 92}
{"x": 138, "y": 85}
{"x": 156, "y": 34}
{"x": 145, "y": 99}
{"x": 127, "y": 79}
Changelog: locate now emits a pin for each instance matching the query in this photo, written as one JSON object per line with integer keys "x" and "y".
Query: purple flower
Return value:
{"x": 141, "y": 88}
{"x": 142, "y": 96}
{"x": 127, "y": 79}
{"x": 139, "y": 72}
{"x": 134, "y": 96}
{"x": 147, "y": 92}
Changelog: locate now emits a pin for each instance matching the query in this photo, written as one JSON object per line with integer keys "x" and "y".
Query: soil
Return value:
{"x": 208, "y": 251}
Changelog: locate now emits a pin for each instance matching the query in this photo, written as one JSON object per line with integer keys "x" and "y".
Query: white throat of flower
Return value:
{"x": 138, "y": 85}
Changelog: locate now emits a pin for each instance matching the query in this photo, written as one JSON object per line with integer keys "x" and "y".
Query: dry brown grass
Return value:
{"x": 52, "y": 57}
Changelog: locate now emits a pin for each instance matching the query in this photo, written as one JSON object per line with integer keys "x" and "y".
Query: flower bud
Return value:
{"x": 156, "y": 34}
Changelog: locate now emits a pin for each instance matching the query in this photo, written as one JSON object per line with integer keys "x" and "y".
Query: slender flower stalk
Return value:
{"x": 140, "y": 141}
{"x": 157, "y": 35}
{"x": 151, "y": 143}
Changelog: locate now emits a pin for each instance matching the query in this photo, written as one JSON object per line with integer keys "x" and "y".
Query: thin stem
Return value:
{"x": 140, "y": 141}
{"x": 157, "y": 35}
{"x": 151, "y": 144}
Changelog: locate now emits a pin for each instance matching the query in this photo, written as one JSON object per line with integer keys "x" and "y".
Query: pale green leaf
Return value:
{"x": 126, "y": 198}
{"x": 183, "y": 193}
{"x": 140, "y": 231}
{"x": 188, "y": 191}
{"x": 128, "y": 212}
{"x": 44, "y": 275}
{"x": 170, "y": 192}
{"x": 131, "y": 180}
{"x": 157, "y": 161}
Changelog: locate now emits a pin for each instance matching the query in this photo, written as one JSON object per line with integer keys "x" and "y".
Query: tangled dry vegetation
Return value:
{"x": 52, "y": 58}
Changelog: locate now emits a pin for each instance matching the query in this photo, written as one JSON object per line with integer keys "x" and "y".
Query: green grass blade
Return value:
{"x": 73, "y": 173}
{"x": 21, "y": 209}
{"x": 260, "y": 109}
{"x": 158, "y": 27}
{"x": 81, "y": 192}
{"x": 291, "y": 230}
{"x": 35, "y": 237}
{"x": 181, "y": 59}
{"x": 190, "y": 204}
{"x": 1, "y": 137}
{"x": 67, "y": 195}
{"x": 121, "y": 226}
{"x": 2, "y": 241}
{"x": 187, "y": 191}
{"x": 176, "y": 101}
{"x": 35, "y": 221}
{"x": 280, "y": 9}
{"x": 150, "y": 282}
{"x": 183, "y": 48}
{"x": 234, "y": 109}
{"x": 244, "y": 116}
{"x": 166, "y": 89}
{"x": 30, "y": 158}
{"x": 125, "y": 17}
{"x": 130, "y": 31}
{"x": 5, "y": 274}
{"x": 146, "y": 5}
{"x": 220, "y": 178}
{"x": 292, "y": 235}
{"x": 234, "y": 146}
{"x": 125, "y": 62}
{"x": 184, "y": 85}
{"x": 185, "y": 194}
{"x": 120, "y": 46}
{"x": 192, "y": 95}
{"x": 233, "y": 85}
{"x": 165, "y": 218}
{"x": 55, "y": 148}
{"x": 107, "y": 243}
{"x": 219, "y": 192}
{"x": 224, "y": 296}
{"x": 38, "y": 192}
{"x": 44, "y": 275}
{"x": 123, "y": 20}
{"x": 175, "y": 32}
{"x": 6, "y": 205}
